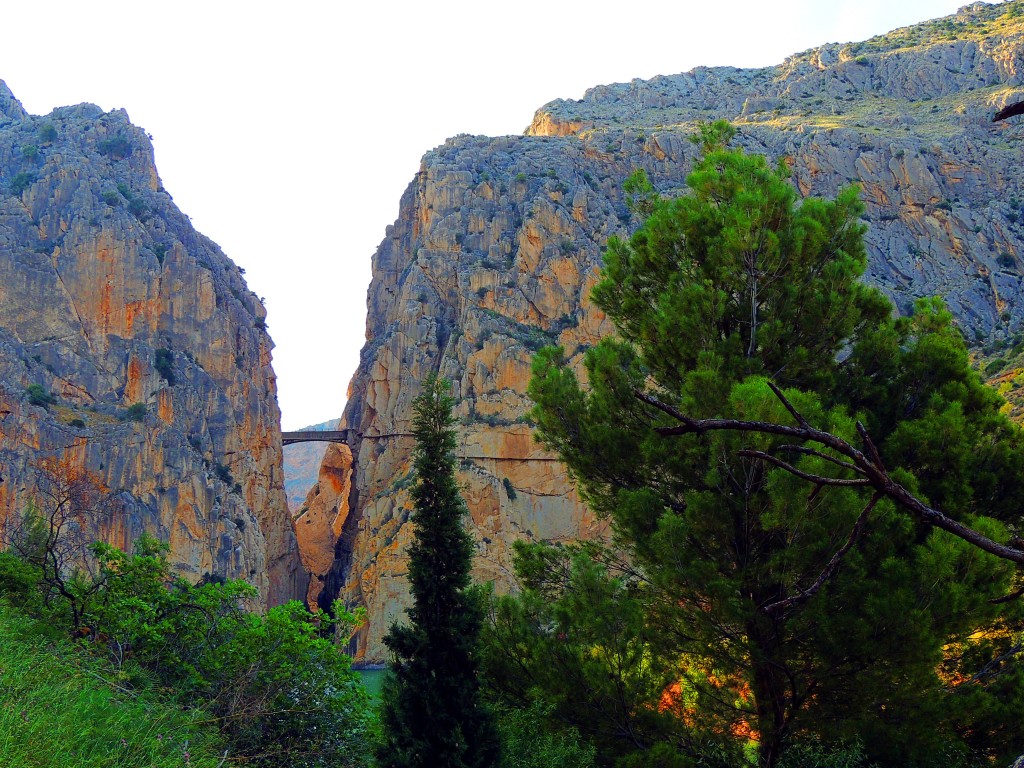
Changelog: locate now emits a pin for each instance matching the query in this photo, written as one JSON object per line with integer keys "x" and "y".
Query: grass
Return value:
{"x": 61, "y": 708}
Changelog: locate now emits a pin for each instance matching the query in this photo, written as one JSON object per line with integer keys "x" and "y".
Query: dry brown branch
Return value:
{"x": 804, "y": 595}
{"x": 868, "y": 463}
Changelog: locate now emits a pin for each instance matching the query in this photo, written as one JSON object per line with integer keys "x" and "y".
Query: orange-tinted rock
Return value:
{"x": 98, "y": 271}
{"x": 498, "y": 244}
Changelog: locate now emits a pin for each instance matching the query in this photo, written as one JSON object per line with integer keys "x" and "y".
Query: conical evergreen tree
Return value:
{"x": 432, "y": 715}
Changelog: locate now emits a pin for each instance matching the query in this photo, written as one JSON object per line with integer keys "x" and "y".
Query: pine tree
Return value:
{"x": 432, "y": 715}
{"x": 792, "y": 609}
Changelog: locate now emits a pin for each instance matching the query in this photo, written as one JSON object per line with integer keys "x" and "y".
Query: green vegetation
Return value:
{"x": 20, "y": 182}
{"x": 164, "y": 364}
{"x": 48, "y": 133}
{"x": 37, "y": 395}
{"x": 63, "y": 708}
{"x": 432, "y": 714}
{"x": 117, "y": 147}
{"x": 30, "y": 152}
{"x": 510, "y": 489}
{"x": 111, "y": 198}
{"x": 223, "y": 473}
{"x": 135, "y": 412}
{"x": 766, "y": 597}
{"x": 159, "y": 658}
{"x": 160, "y": 251}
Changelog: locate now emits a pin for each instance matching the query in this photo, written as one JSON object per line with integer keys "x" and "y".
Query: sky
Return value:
{"x": 288, "y": 132}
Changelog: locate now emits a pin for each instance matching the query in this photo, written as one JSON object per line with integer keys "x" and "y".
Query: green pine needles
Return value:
{"x": 432, "y": 715}
{"x": 746, "y": 607}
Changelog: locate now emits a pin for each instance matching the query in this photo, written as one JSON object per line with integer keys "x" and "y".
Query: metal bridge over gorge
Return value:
{"x": 316, "y": 436}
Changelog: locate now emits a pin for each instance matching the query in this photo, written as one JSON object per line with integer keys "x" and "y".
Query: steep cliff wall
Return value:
{"x": 108, "y": 299}
{"x": 498, "y": 243}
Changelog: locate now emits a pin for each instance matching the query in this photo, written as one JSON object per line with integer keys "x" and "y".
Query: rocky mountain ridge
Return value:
{"x": 498, "y": 243}
{"x": 130, "y": 346}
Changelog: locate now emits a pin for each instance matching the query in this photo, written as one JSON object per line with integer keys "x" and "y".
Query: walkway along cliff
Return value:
{"x": 498, "y": 242}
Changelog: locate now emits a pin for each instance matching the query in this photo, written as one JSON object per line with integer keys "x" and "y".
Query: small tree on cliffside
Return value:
{"x": 432, "y": 714}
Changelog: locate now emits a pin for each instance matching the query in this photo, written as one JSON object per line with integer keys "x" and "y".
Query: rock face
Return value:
{"x": 152, "y": 348}
{"x": 302, "y": 465}
{"x": 498, "y": 244}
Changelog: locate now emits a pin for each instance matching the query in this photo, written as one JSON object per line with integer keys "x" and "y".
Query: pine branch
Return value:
{"x": 833, "y": 565}
{"x": 870, "y": 465}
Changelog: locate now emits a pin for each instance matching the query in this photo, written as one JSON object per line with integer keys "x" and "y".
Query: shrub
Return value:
{"x": 63, "y": 709}
{"x": 117, "y": 147}
{"x": 510, "y": 489}
{"x": 111, "y": 198}
{"x": 527, "y": 743}
{"x": 135, "y": 412}
{"x": 137, "y": 207}
{"x": 165, "y": 365}
{"x": 30, "y": 152}
{"x": 77, "y": 424}
{"x": 48, "y": 133}
{"x": 223, "y": 473}
{"x": 20, "y": 182}
{"x": 37, "y": 395}
{"x": 1006, "y": 260}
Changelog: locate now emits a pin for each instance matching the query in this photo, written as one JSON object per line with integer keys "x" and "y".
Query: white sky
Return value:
{"x": 288, "y": 131}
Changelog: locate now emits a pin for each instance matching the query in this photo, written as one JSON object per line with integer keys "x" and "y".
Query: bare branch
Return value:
{"x": 869, "y": 445}
{"x": 789, "y": 406}
{"x": 821, "y": 455}
{"x": 1016, "y": 594}
{"x": 872, "y": 468}
{"x": 816, "y": 479}
{"x": 803, "y": 595}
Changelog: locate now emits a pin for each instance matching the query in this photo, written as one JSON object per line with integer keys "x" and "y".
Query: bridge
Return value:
{"x": 316, "y": 436}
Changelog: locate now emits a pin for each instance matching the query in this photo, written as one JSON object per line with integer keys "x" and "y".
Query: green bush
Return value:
{"x": 37, "y": 395}
{"x": 135, "y": 412}
{"x": 994, "y": 366}
{"x": 165, "y": 365}
{"x": 30, "y": 151}
{"x": 117, "y": 147}
{"x": 76, "y": 423}
{"x": 527, "y": 743}
{"x": 510, "y": 490}
{"x": 20, "y": 182}
{"x": 64, "y": 709}
{"x": 48, "y": 133}
{"x": 111, "y": 198}
{"x": 137, "y": 207}
{"x": 179, "y": 654}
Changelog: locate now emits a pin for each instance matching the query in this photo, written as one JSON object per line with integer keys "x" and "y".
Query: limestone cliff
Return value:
{"x": 499, "y": 240}
{"x": 145, "y": 337}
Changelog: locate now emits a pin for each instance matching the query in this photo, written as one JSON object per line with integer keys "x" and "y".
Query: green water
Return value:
{"x": 372, "y": 679}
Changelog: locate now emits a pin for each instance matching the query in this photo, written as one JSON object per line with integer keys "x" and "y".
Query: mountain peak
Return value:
{"x": 10, "y": 107}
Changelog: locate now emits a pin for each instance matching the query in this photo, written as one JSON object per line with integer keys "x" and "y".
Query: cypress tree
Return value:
{"x": 432, "y": 713}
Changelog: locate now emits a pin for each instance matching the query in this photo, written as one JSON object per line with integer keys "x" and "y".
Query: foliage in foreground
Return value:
{"x": 280, "y": 694}
{"x": 432, "y": 713}
{"x": 62, "y": 708}
{"x": 740, "y": 606}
